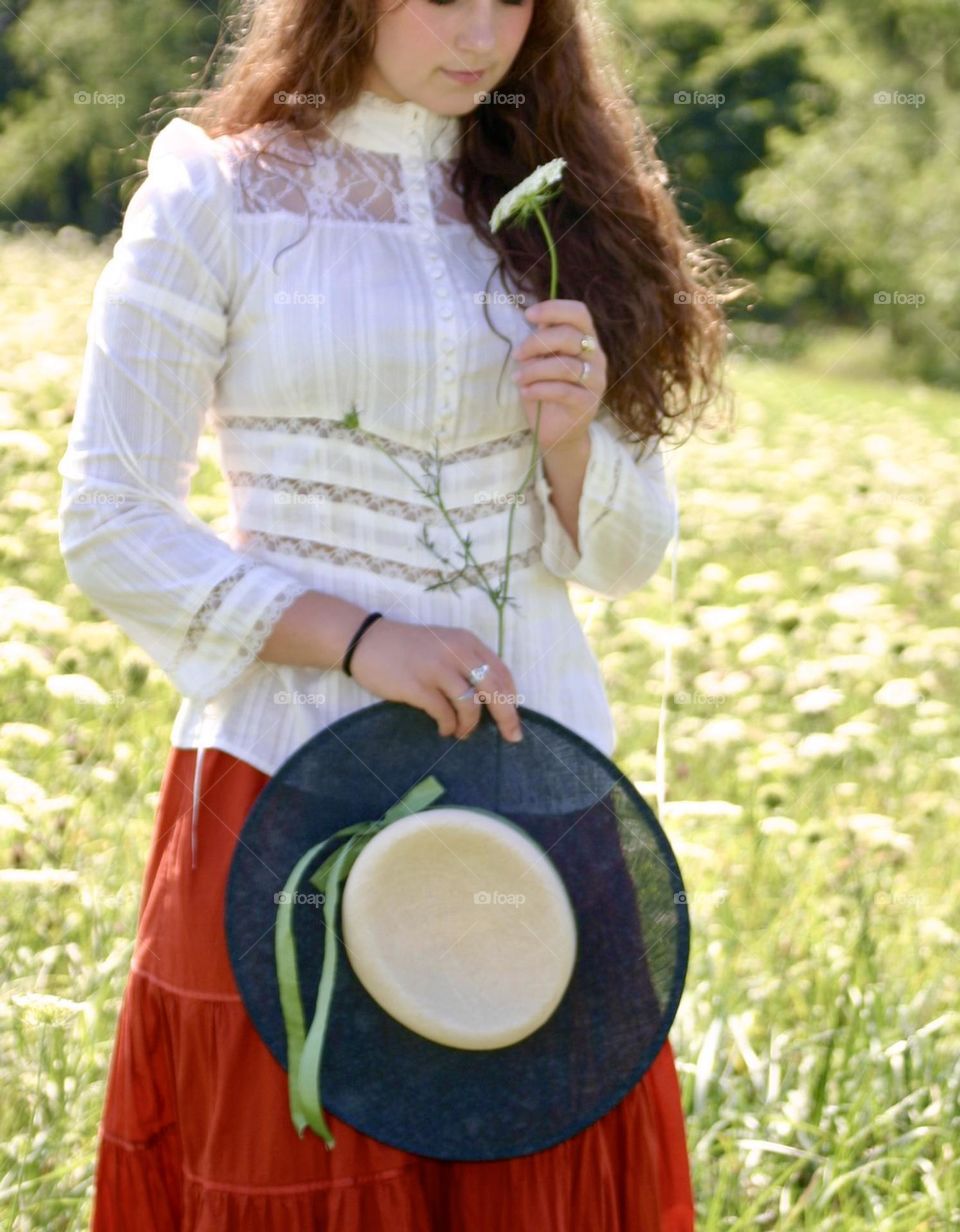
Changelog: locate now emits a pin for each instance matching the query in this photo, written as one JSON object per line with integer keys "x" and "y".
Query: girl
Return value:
{"x": 309, "y": 260}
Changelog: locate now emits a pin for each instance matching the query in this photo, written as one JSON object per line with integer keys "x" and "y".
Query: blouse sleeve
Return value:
{"x": 627, "y": 514}
{"x": 156, "y": 341}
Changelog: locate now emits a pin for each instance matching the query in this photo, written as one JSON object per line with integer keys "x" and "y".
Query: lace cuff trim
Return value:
{"x": 250, "y": 643}
{"x": 204, "y": 613}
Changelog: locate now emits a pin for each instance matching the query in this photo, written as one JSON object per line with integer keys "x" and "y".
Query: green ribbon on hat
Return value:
{"x": 305, "y": 1050}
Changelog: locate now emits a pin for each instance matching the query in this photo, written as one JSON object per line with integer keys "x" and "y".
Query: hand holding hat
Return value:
{"x": 431, "y": 1039}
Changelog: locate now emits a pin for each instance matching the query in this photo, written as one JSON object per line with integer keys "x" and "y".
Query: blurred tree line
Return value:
{"x": 815, "y": 141}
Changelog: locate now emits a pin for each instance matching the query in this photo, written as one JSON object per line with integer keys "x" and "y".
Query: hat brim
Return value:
{"x": 620, "y": 874}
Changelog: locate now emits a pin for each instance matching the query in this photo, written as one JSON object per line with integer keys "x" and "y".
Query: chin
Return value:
{"x": 462, "y": 100}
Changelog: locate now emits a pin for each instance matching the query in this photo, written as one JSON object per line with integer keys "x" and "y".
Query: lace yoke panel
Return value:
{"x": 280, "y": 169}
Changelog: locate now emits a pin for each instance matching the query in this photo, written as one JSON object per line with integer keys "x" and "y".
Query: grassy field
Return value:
{"x": 812, "y": 777}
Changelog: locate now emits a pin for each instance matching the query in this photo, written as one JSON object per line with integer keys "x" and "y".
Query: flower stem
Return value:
{"x": 551, "y": 248}
{"x": 468, "y": 553}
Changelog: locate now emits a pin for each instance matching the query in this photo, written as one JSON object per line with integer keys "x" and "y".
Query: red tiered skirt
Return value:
{"x": 196, "y": 1133}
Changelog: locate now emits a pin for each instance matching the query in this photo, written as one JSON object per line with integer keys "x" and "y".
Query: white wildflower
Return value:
{"x": 822, "y": 744}
{"x": 539, "y": 186}
{"x": 17, "y": 789}
{"x": 723, "y": 730}
{"x": 78, "y": 688}
{"x": 816, "y": 701}
{"x": 11, "y": 819}
{"x": 720, "y": 809}
{"x": 22, "y": 654}
{"x": 38, "y": 876}
{"x": 767, "y": 583}
{"x": 777, "y": 824}
{"x": 876, "y": 829}
{"x": 871, "y": 564}
{"x": 766, "y": 646}
{"x": 899, "y": 692}
{"x": 28, "y": 445}
{"x": 26, "y": 733}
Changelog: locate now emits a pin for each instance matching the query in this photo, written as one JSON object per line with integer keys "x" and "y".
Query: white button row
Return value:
{"x": 422, "y": 211}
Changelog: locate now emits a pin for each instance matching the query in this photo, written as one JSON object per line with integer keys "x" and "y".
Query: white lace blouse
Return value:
{"x": 277, "y": 294}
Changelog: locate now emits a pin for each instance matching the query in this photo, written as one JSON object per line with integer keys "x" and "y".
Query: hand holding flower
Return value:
{"x": 548, "y": 370}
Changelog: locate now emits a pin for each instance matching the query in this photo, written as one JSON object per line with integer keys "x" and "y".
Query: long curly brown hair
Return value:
{"x": 655, "y": 293}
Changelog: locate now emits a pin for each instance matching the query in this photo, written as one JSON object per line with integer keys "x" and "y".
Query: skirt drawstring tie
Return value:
{"x": 197, "y": 789}
{"x": 197, "y": 778}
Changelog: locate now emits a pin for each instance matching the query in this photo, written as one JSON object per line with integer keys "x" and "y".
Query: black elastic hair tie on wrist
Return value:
{"x": 367, "y": 622}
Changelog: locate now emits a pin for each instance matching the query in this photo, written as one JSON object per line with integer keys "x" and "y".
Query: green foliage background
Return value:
{"x": 839, "y": 206}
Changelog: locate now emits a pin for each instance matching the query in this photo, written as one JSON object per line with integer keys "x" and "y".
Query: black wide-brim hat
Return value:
{"x": 623, "y": 883}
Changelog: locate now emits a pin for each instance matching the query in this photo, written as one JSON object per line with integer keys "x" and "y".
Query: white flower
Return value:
{"x": 75, "y": 687}
{"x": 722, "y": 730}
{"x": 29, "y": 733}
{"x": 538, "y": 187}
{"x": 901, "y": 691}
{"x": 777, "y": 824}
{"x": 765, "y": 646}
{"x": 47, "y": 1007}
{"x": 816, "y": 701}
{"x": 872, "y": 564}
{"x": 714, "y": 617}
{"x": 38, "y": 876}
{"x": 767, "y": 583}
{"x": 16, "y": 789}
{"x": 14, "y": 655}
{"x": 877, "y": 830}
{"x": 11, "y": 819}
{"x": 713, "y": 573}
{"x": 938, "y": 931}
{"x": 27, "y": 444}
{"x": 21, "y": 608}
{"x": 856, "y": 601}
{"x": 722, "y": 810}
{"x": 857, "y": 729}
{"x": 822, "y": 744}
{"x": 717, "y": 683}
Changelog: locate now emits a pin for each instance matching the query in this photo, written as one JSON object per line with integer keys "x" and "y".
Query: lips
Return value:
{"x": 466, "y": 74}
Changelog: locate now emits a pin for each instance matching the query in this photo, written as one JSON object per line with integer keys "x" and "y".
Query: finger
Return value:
{"x": 503, "y": 709}
{"x": 498, "y": 690}
{"x": 499, "y": 676}
{"x": 554, "y": 367}
{"x": 561, "y": 312}
{"x": 552, "y": 339}
{"x": 468, "y": 652}
{"x": 569, "y": 393}
{"x": 499, "y": 693}
{"x": 467, "y": 707}
{"x": 441, "y": 710}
